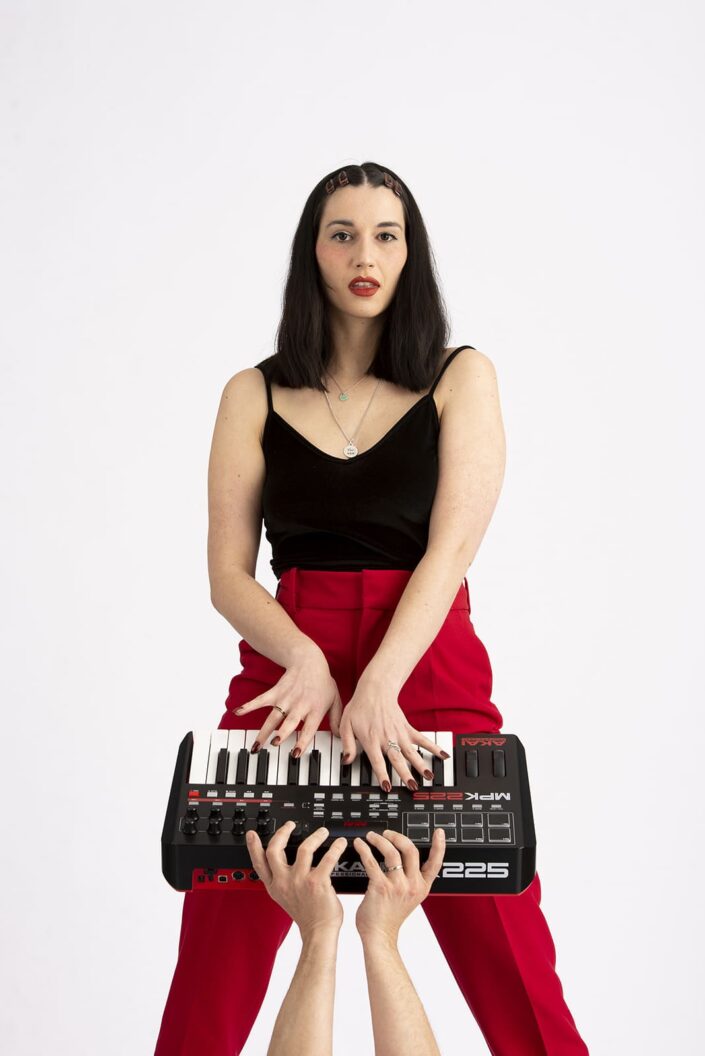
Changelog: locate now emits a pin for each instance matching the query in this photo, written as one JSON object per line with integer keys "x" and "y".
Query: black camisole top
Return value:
{"x": 345, "y": 514}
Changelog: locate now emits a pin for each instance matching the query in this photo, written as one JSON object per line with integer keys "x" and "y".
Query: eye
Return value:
{"x": 387, "y": 233}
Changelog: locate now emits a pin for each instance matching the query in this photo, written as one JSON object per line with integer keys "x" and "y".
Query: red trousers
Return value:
{"x": 499, "y": 948}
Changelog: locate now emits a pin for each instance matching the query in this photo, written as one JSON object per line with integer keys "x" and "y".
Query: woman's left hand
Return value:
{"x": 305, "y": 893}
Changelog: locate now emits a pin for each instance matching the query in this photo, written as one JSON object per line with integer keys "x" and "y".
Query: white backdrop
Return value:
{"x": 155, "y": 160}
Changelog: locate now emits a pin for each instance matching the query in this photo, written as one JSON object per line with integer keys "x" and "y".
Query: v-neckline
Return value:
{"x": 367, "y": 451}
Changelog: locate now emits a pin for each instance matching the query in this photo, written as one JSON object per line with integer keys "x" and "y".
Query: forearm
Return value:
{"x": 260, "y": 619}
{"x": 418, "y": 617}
{"x": 304, "y": 1026}
{"x": 399, "y": 1022}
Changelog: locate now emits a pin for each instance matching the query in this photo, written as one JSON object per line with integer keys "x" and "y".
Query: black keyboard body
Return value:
{"x": 480, "y": 796}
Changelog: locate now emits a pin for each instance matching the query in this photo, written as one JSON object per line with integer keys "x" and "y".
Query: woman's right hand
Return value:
{"x": 391, "y": 897}
{"x": 306, "y": 692}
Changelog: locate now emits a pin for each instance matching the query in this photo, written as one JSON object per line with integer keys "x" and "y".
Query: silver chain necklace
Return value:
{"x": 350, "y": 449}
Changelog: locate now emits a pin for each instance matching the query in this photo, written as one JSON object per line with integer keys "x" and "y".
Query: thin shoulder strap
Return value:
{"x": 448, "y": 360}
{"x": 265, "y": 372}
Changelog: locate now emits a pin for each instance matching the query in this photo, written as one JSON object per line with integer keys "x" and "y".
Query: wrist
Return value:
{"x": 304, "y": 651}
{"x": 320, "y": 936}
{"x": 373, "y": 940}
{"x": 378, "y": 674}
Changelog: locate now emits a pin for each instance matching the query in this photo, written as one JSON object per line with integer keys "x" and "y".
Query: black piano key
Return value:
{"x": 292, "y": 773}
{"x": 365, "y": 769}
{"x": 499, "y": 767}
{"x": 262, "y": 773}
{"x": 243, "y": 762}
{"x": 314, "y": 767}
{"x": 345, "y": 772}
{"x": 221, "y": 766}
{"x": 437, "y": 770}
{"x": 390, "y": 770}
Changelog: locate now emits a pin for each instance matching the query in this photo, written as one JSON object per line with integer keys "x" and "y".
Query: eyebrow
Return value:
{"x": 349, "y": 223}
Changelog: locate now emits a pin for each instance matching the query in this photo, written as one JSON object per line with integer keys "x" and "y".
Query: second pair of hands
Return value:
{"x": 306, "y": 692}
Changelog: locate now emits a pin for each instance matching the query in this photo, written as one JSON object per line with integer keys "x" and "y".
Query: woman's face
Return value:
{"x": 362, "y": 232}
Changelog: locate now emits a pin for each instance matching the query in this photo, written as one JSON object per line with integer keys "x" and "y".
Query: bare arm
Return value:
{"x": 236, "y": 471}
{"x": 399, "y": 1022}
{"x": 472, "y": 454}
{"x": 304, "y": 1026}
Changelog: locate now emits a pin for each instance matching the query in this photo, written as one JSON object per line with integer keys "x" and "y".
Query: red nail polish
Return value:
{"x": 386, "y": 785}
{"x": 444, "y": 755}
{"x": 296, "y": 753}
{"x": 428, "y": 774}
{"x": 276, "y": 740}
{"x": 412, "y": 785}
{"x": 254, "y": 748}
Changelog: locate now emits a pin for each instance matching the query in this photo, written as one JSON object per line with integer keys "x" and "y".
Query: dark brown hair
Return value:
{"x": 416, "y": 329}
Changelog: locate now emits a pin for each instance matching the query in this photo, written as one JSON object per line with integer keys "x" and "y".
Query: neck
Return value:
{"x": 354, "y": 343}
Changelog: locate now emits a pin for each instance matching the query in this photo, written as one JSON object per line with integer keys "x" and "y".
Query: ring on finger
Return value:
{"x": 392, "y": 744}
{"x": 390, "y": 869}
{"x": 280, "y": 709}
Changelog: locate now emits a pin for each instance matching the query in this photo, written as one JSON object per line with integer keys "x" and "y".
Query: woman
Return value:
{"x": 375, "y": 503}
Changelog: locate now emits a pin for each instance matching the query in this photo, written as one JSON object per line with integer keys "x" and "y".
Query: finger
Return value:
{"x": 332, "y": 856}
{"x": 426, "y": 743}
{"x": 387, "y": 849}
{"x": 347, "y": 737}
{"x": 276, "y": 856}
{"x": 305, "y": 737}
{"x": 261, "y": 701}
{"x": 409, "y": 851}
{"x": 372, "y": 866}
{"x": 288, "y": 725}
{"x": 400, "y": 763}
{"x": 417, "y": 761}
{"x": 377, "y": 762}
{"x": 257, "y": 856}
{"x": 304, "y": 855}
{"x": 334, "y": 715}
{"x": 432, "y": 866}
{"x": 270, "y": 727}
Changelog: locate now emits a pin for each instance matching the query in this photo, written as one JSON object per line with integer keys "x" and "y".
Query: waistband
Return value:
{"x": 368, "y": 588}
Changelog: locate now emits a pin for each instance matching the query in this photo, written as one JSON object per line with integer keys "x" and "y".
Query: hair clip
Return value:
{"x": 393, "y": 185}
{"x": 342, "y": 179}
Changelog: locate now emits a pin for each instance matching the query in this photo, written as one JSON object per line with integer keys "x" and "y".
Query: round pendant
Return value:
{"x": 343, "y": 396}
{"x": 350, "y": 451}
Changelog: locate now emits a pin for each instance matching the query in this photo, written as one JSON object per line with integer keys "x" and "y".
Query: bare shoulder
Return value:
{"x": 468, "y": 360}
{"x": 243, "y": 403}
{"x": 471, "y": 375}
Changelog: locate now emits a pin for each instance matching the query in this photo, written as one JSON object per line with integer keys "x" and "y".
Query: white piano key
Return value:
{"x": 336, "y": 748}
{"x": 375, "y": 782}
{"x": 250, "y": 738}
{"x": 321, "y": 741}
{"x": 199, "y": 757}
{"x": 444, "y": 740}
{"x": 305, "y": 764}
{"x": 427, "y": 757}
{"x": 284, "y": 747}
{"x": 236, "y": 741}
{"x": 219, "y": 739}
{"x": 355, "y": 768}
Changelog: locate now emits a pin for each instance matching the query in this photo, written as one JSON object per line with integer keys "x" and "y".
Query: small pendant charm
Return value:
{"x": 350, "y": 451}
{"x": 343, "y": 396}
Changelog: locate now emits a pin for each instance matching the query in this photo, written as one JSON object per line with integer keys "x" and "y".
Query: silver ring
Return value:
{"x": 388, "y": 870}
{"x": 279, "y": 709}
{"x": 393, "y": 744}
